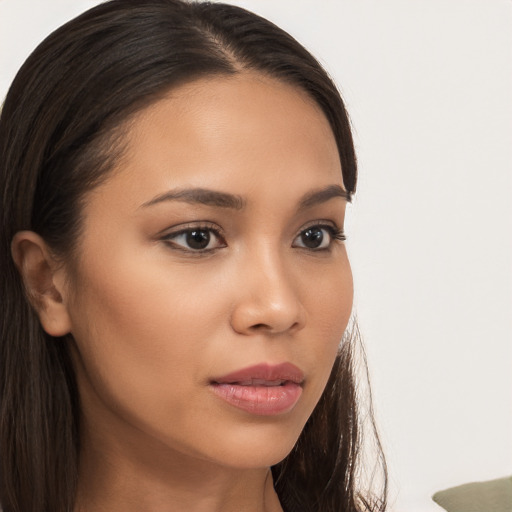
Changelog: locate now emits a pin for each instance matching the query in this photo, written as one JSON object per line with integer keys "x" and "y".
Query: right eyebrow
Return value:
{"x": 199, "y": 196}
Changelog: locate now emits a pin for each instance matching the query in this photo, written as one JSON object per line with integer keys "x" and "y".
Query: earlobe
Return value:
{"x": 43, "y": 280}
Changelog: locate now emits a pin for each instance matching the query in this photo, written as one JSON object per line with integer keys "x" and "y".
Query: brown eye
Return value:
{"x": 312, "y": 238}
{"x": 200, "y": 239}
{"x": 318, "y": 237}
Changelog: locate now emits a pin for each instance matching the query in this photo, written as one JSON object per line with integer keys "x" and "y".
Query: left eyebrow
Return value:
{"x": 321, "y": 196}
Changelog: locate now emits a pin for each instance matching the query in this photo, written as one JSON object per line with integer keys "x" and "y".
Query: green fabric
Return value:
{"x": 492, "y": 496}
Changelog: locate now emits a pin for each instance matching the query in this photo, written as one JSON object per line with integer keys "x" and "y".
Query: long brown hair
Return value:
{"x": 61, "y": 130}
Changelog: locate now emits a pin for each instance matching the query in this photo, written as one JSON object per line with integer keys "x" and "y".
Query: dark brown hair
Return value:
{"x": 60, "y": 133}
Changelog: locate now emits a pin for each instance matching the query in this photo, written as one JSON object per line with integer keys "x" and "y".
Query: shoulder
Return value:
{"x": 491, "y": 496}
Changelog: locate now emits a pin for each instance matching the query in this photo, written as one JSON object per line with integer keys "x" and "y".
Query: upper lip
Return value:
{"x": 263, "y": 373}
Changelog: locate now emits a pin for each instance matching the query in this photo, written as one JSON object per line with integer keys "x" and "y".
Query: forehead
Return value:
{"x": 234, "y": 134}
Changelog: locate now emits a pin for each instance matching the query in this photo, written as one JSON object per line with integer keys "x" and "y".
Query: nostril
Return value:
{"x": 268, "y": 314}
{"x": 270, "y": 329}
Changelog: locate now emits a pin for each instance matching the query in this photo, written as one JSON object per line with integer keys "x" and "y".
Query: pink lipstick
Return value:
{"x": 262, "y": 389}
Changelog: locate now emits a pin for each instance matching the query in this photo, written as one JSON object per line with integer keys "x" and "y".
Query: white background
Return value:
{"x": 428, "y": 84}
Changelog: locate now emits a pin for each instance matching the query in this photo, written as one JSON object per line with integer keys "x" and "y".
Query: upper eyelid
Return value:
{"x": 219, "y": 232}
{"x": 188, "y": 226}
{"x": 320, "y": 223}
{"x": 335, "y": 231}
{"x": 181, "y": 228}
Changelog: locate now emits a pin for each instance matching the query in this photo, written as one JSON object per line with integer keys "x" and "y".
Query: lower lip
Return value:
{"x": 260, "y": 400}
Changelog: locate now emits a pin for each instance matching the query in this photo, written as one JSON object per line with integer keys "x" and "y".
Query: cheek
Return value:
{"x": 141, "y": 331}
{"x": 330, "y": 310}
{"x": 329, "y": 297}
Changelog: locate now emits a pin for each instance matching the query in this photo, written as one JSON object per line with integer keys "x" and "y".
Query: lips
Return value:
{"x": 262, "y": 389}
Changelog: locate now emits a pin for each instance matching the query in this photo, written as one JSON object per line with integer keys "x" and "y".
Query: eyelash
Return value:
{"x": 335, "y": 234}
{"x": 209, "y": 228}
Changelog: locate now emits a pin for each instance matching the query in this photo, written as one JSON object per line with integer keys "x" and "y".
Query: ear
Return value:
{"x": 44, "y": 281}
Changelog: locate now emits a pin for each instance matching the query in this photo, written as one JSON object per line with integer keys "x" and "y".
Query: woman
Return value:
{"x": 174, "y": 280}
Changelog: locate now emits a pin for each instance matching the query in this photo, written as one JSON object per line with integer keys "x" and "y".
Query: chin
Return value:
{"x": 254, "y": 459}
{"x": 256, "y": 447}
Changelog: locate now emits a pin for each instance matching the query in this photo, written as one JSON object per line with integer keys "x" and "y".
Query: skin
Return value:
{"x": 154, "y": 320}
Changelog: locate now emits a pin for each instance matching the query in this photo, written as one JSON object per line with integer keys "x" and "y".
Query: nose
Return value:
{"x": 267, "y": 301}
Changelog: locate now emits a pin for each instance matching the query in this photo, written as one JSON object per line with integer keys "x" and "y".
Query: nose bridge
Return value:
{"x": 274, "y": 277}
{"x": 269, "y": 299}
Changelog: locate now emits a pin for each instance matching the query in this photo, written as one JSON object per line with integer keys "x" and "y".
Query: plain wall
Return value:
{"x": 428, "y": 85}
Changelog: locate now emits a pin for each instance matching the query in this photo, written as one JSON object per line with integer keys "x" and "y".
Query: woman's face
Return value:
{"x": 212, "y": 287}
